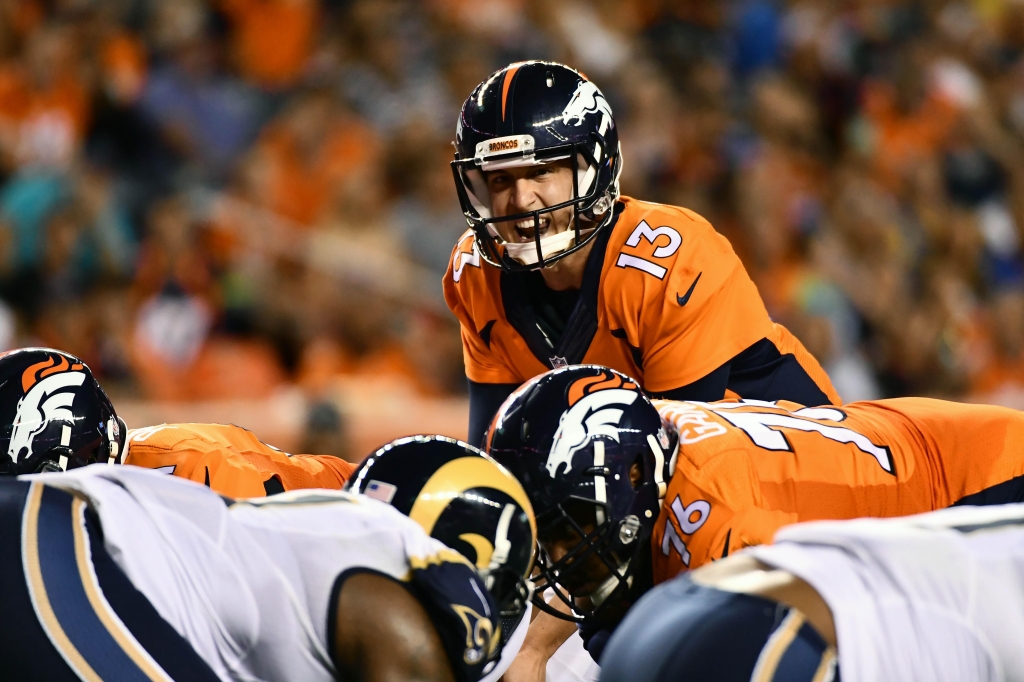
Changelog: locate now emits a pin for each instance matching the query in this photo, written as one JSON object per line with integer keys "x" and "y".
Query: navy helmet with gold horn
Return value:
{"x": 466, "y": 500}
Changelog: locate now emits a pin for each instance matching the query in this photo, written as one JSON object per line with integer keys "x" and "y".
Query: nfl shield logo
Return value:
{"x": 557, "y": 362}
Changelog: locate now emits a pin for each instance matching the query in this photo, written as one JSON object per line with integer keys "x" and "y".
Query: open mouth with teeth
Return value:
{"x": 524, "y": 229}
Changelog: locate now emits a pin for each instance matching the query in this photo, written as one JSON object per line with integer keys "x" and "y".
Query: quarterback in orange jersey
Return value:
{"x": 231, "y": 460}
{"x": 629, "y": 493}
{"x": 558, "y": 269}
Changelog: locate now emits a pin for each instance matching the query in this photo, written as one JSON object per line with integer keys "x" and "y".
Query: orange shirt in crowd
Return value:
{"x": 231, "y": 460}
{"x": 301, "y": 188}
{"x": 904, "y": 139}
{"x": 123, "y": 59}
{"x": 745, "y": 469}
{"x": 272, "y": 39}
{"x": 41, "y": 125}
{"x": 1000, "y": 373}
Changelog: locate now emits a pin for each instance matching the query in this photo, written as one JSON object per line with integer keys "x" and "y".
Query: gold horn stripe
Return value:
{"x": 826, "y": 669}
{"x": 778, "y": 643}
{"x": 482, "y": 546}
{"x": 458, "y": 476}
{"x": 114, "y": 626}
{"x": 37, "y": 589}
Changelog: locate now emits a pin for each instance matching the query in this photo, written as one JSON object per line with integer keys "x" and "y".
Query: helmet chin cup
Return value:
{"x": 526, "y": 253}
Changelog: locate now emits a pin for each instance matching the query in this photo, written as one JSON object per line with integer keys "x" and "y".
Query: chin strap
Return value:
{"x": 114, "y": 429}
{"x": 526, "y": 252}
{"x": 605, "y": 589}
{"x": 659, "y": 466}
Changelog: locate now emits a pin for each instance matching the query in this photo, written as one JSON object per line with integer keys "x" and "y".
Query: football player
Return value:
{"x": 630, "y": 493}
{"x": 76, "y": 425}
{"x": 47, "y": 396}
{"x": 559, "y": 269}
{"x": 931, "y": 598}
{"x": 121, "y": 573}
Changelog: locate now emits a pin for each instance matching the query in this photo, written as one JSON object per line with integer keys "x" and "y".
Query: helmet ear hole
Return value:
{"x": 636, "y": 472}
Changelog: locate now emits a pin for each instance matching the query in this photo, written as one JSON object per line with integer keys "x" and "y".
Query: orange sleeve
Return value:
{"x": 237, "y": 474}
{"x": 150, "y": 448}
{"x": 465, "y": 292}
{"x": 707, "y": 311}
{"x": 230, "y": 473}
{"x": 710, "y": 513}
{"x": 298, "y": 472}
{"x": 231, "y": 460}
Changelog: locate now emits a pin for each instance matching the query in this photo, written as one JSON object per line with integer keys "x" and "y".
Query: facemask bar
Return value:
{"x": 483, "y": 227}
{"x": 597, "y": 542}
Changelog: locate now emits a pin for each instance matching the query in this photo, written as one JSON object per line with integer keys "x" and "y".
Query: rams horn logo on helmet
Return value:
{"x": 49, "y": 392}
{"x": 593, "y": 412}
{"x": 587, "y": 100}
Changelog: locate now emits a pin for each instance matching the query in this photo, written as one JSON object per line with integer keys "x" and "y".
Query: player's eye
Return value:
{"x": 498, "y": 180}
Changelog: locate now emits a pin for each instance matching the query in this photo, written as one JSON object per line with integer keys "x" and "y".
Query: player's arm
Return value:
{"x": 710, "y": 512}
{"x": 256, "y": 474}
{"x": 383, "y": 633}
{"x": 708, "y": 388}
{"x": 490, "y": 379}
{"x": 484, "y": 401}
{"x": 544, "y": 637}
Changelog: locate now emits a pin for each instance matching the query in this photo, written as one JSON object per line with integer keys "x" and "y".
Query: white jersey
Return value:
{"x": 249, "y": 583}
{"x": 935, "y": 597}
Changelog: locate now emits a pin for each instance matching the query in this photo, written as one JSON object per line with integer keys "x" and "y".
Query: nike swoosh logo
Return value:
{"x": 685, "y": 298}
{"x": 207, "y": 477}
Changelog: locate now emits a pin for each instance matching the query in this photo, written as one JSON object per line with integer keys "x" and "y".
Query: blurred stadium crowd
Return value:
{"x": 209, "y": 199}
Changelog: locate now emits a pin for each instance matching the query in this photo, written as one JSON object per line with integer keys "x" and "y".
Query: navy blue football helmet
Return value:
{"x": 466, "y": 500}
{"x": 532, "y": 113}
{"x": 53, "y": 414}
{"x": 594, "y": 456}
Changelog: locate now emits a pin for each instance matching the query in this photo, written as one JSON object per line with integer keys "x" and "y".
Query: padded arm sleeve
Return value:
{"x": 484, "y": 401}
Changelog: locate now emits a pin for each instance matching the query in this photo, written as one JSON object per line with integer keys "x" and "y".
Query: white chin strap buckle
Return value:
{"x": 552, "y": 245}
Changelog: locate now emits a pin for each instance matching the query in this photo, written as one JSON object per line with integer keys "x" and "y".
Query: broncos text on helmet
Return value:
{"x": 528, "y": 114}
{"x": 466, "y": 500}
{"x": 53, "y": 414}
{"x": 594, "y": 457}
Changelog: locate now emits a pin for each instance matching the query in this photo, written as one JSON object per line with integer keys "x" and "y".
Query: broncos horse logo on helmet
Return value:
{"x": 593, "y": 454}
{"x": 53, "y": 414}
{"x": 587, "y": 100}
{"x": 597, "y": 404}
{"x": 50, "y": 388}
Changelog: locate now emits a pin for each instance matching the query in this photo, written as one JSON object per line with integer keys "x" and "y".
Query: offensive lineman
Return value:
{"x": 44, "y": 389}
{"x": 630, "y": 493}
{"x": 559, "y": 269}
{"x": 936, "y": 597}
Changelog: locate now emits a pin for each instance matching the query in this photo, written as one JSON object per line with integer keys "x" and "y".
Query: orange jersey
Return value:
{"x": 231, "y": 460}
{"x": 670, "y": 303}
{"x": 745, "y": 469}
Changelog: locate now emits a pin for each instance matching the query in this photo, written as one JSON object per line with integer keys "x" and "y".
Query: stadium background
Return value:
{"x": 240, "y": 210}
